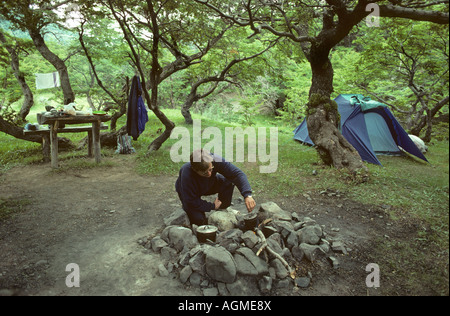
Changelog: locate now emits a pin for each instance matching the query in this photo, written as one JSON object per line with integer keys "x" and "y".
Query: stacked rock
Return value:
{"x": 230, "y": 265}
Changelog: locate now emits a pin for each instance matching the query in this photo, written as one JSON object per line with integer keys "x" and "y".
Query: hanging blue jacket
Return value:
{"x": 137, "y": 113}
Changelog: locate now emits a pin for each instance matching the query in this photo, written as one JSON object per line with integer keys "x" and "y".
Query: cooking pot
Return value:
{"x": 206, "y": 232}
{"x": 251, "y": 221}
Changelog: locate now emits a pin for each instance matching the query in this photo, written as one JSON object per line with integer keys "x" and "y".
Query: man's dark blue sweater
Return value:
{"x": 192, "y": 186}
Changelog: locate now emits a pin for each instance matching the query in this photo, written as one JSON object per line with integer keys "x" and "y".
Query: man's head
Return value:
{"x": 201, "y": 162}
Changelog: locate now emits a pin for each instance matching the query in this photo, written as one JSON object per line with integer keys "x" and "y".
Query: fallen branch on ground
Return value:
{"x": 266, "y": 247}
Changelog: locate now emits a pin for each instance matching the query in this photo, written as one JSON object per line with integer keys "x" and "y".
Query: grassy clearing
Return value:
{"x": 418, "y": 189}
{"x": 410, "y": 190}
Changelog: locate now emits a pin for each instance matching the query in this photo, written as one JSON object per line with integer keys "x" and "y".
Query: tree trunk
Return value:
{"x": 17, "y": 132}
{"x": 28, "y": 101}
{"x": 115, "y": 117}
{"x": 156, "y": 144}
{"x": 15, "y": 65}
{"x": 57, "y": 62}
{"x": 185, "y": 109}
{"x": 108, "y": 139}
{"x": 429, "y": 130}
{"x": 323, "y": 119}
{"x": 427, "y": 120}
{"x": 186, "y": 113}
{"x": 155, "y": 74}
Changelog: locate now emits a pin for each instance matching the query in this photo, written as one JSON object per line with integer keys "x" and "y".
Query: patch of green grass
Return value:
{"x": 410, "y": 190}
{"x": 421, "y": 267}
{"x": 415, "y": 191}
{"x": 9, "y": 207}
{"x": 403, "y": 183}
{"x": 80, "y": 162}
{"x": 16, "y": 151}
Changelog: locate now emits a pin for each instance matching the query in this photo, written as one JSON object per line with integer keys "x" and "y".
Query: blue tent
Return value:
{"x": 370, "y": 127}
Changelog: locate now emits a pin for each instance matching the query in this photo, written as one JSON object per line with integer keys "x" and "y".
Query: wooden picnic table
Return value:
{"x": 57, "y": 125}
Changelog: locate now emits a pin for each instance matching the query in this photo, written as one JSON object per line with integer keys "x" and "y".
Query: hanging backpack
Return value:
{"x": 124, "y": 145}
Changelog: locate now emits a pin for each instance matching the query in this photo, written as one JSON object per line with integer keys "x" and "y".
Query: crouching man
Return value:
{"x": 208, "y": 174}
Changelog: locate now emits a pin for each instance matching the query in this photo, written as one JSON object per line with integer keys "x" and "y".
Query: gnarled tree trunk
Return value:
{"x": 58, "y": 63}
{"x": 323, "y": 118}
{"x": 17, "y": 132}
{"x": 185, "y": 109}
{"x": 15, "y": 65}
{"x": 155, "y": 74}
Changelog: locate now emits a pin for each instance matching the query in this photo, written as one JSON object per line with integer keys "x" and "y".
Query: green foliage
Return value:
{"x": 248, "y": 109}
{"x": 10, "y": 90}
{"x": 292, "y": 109}
{"x": 280, "y": 78}
{"x": 297, "y": 82}
{"x": 401, "y": 54}
{"x": 173, "y": 90}
{"x": 346, "y": 72}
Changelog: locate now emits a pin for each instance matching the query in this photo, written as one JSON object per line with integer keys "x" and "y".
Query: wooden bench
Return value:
{"x": 45, "y": 134}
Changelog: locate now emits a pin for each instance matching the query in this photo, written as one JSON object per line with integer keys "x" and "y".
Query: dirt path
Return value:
{"x": 94, "y": 218}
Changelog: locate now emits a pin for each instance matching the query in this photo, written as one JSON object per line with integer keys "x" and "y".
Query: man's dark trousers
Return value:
{"x": 225, "y": 190}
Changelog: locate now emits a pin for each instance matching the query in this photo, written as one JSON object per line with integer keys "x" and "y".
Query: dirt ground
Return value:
{"x": 95, "y": 217}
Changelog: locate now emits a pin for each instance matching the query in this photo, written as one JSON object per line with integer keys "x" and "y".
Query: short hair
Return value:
{"x": 200, "y": 159}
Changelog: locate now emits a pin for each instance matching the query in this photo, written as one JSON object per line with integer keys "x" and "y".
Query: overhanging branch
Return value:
{"x": 414, "y": 14}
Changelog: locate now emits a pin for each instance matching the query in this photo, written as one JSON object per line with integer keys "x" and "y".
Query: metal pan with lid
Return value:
{"x": 206, "y": 232}
{"x": 251, "y": 221}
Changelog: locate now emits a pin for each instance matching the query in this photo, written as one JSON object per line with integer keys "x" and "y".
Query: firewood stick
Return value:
{"x": 263, "y": 241}
{"x": 265, "y": 222}
{"x": 261, "y": 249}
{"x": 265, "y": 246}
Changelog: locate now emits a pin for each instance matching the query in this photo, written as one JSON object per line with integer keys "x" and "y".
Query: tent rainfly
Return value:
{"x": 370, "y": 127}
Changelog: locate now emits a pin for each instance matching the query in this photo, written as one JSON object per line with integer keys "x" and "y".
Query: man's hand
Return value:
{"x": 217, "y": 203}
{"x": 250, "y": 203}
